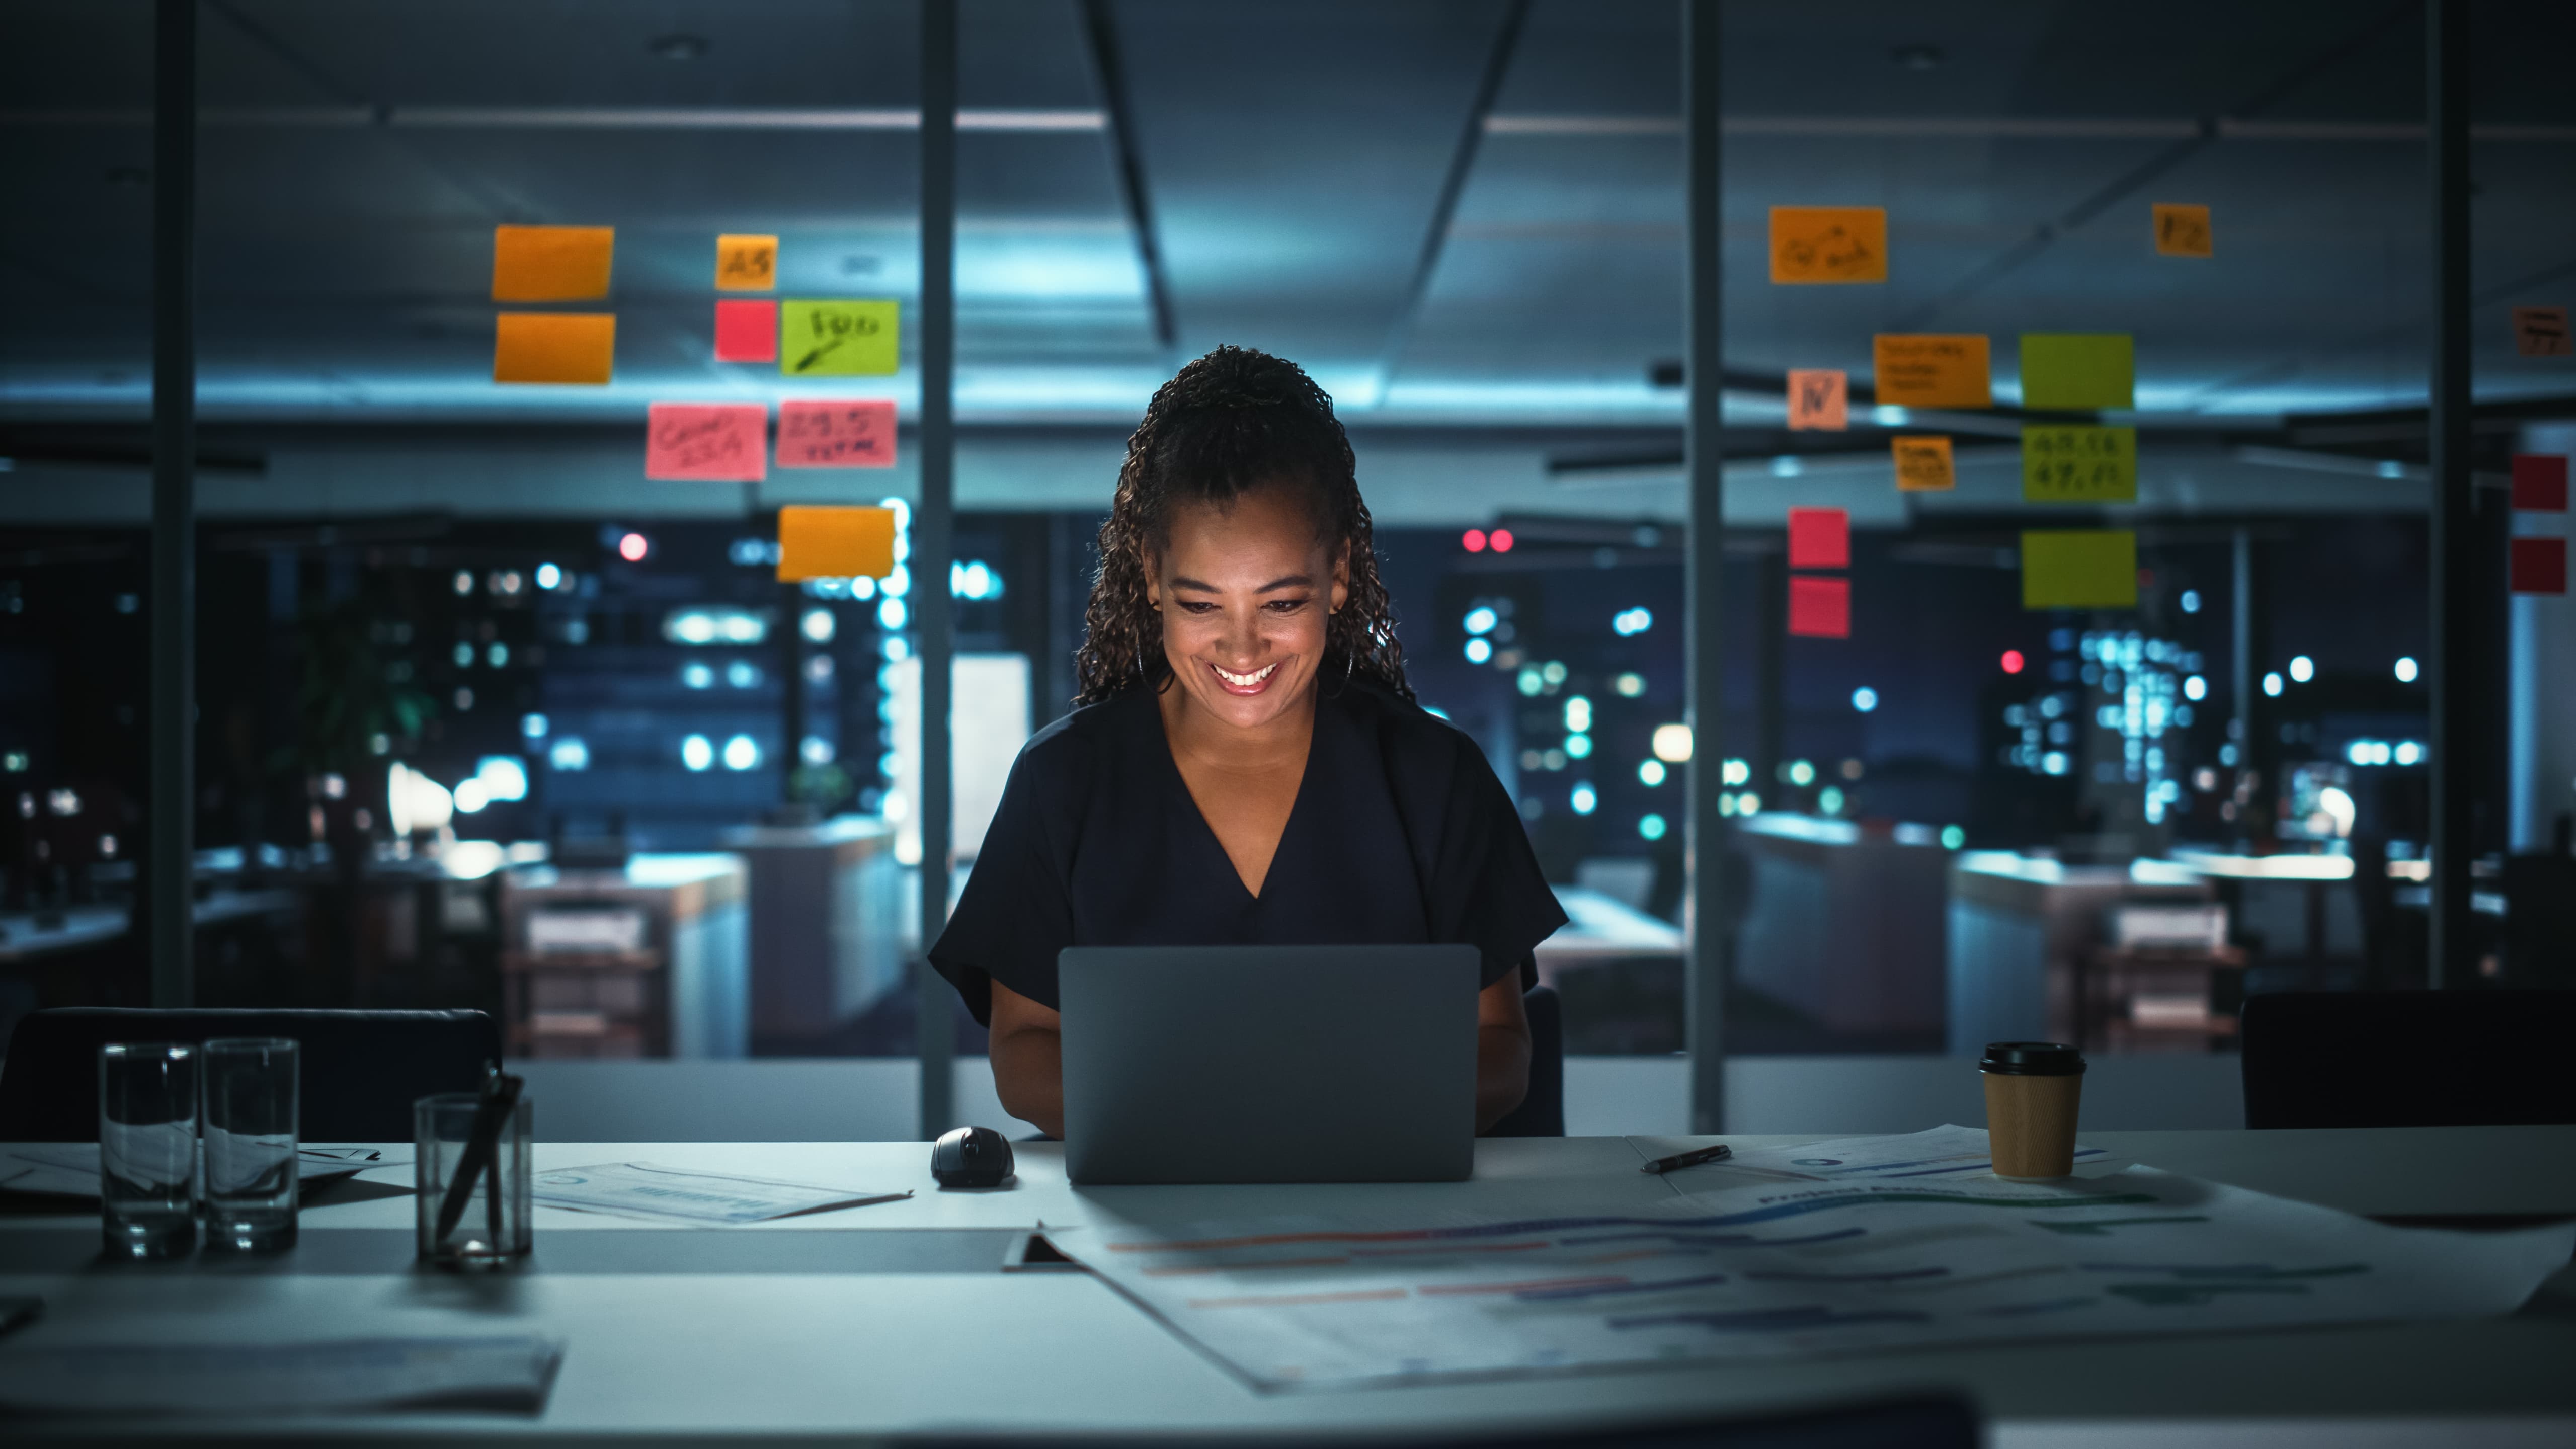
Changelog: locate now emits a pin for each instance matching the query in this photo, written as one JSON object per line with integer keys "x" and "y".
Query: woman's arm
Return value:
{"x": 1028, "y": 1059}
{"x": 1502, "y": 1050}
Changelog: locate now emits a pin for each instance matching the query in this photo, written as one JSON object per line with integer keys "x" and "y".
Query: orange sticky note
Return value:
{"x": 707, "y": 442}
{"x": 1828, "y": 244}
{"x": 2541, "y": 332}
{"x": 746, "y": 263}
{"x": 1933, "y": 370}
{"x": 1820, "y": 538}
{"x": 572, "y": 347}
{"x": 1924, "y": 465}
{"x": 2181, "y": 231}
{"x": 818, "y": 434}
{"x": 1819, "y": 399}
{"x": 551, "y": 263}
{"x": 835, "y": 543}
{"x": 1819, "y": 608}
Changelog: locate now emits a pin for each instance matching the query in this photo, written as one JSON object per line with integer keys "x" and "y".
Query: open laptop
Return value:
{"x": 1269, "y": 1063}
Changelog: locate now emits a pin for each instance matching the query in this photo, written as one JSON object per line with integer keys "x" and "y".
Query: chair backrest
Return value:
{"x": 361, "y": 1070}
{"x": 1542, "y": 1112}
{"x": 2464, "y": 1058}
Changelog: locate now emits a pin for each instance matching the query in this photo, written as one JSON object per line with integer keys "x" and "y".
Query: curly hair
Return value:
{"x": 1228, "y": 424}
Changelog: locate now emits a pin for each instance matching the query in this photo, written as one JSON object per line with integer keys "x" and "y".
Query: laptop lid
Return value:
{"x": 1193, "y": 1064}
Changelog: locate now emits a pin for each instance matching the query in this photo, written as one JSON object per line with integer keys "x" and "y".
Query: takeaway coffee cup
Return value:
{"x": 2032, "y": 1089}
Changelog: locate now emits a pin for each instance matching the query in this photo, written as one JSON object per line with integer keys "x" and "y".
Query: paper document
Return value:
{"x": 1789, "y": 1269}
{"x": 645, "y": 1190}
{"x": 1939, "y": 1153}
{"x": 493, "y": 1374}
{"x": 70, "y": 1169}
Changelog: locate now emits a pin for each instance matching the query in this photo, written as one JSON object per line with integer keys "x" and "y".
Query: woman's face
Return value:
{"x": 1244, "y": 593}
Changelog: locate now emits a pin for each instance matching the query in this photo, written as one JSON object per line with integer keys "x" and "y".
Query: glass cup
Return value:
{"x": 147, "y": 1148}
{"x": 494, "y": 1229}
{"x": 250, "y": 1142}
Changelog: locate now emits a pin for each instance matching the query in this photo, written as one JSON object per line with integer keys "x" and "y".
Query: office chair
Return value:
{"x": 361, "y": 1069}
{"x": 1542, "y": 1112}
{"x": 2460, "y": 1058}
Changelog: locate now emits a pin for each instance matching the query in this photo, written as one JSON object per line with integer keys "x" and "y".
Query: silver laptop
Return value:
{"x": 1269, "y": 1063}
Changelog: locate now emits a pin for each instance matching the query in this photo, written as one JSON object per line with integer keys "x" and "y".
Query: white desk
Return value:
{"x": 834, "y": 1323}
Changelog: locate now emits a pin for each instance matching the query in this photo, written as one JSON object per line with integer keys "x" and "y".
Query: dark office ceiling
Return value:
{"x": 1291, "y": 158}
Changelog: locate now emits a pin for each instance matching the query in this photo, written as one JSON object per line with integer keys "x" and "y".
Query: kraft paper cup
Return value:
{"x": 2032, "y": 1091}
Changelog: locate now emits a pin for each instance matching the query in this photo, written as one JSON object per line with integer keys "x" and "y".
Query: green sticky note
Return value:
{"x": 838, "y": 338}
{"x": 2079, "y": 568}
{"x": 2079, "y": 465}
{"x": 2073, "y": 371}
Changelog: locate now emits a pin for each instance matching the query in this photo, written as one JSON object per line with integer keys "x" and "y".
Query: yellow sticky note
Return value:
{"x": 1828, "y": 244}
{"x": 2079, "y": 568}
{"x": 2181, "y": 231}
{"x": 1924, "y": 465}
{"x": 1933, "y": 370}
{"x": 2068, "y": 371}
{"x": 551, "y": 263}
{"x": 746, "y": 263}
{"x": 2079, "y": 465}
{"x": 835, "y": 543}
{"x": 575, "y": 347}
{"x": 838, "y": 338}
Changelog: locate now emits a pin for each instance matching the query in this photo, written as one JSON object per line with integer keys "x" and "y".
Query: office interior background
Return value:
{"x": 487, "y": 717}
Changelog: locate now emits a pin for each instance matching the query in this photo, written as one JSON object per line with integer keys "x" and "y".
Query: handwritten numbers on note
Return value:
{"x": 834, "y": 543}
{"x": 746, "y": 263}
{"x": 2084, "y": 568}
{"x": 2079, "y": 465}
{"x": 817, "y": 434}
{"x": 2181, "y": 231}
{"x": 2541, "y": 332}
{"x": 563, "y": 347}
{"x": 1819, "y": 399}
{"x": 1822, "y": 244}
{"x": 1924, "y": 465}
{"x": 1933, "y": 370}
{"x": 551, "y": 263}
{"x": 707, "y": 442}
{"x": 838, "y": 338}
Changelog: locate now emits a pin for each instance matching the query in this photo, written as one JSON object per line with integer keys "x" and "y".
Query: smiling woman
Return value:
{"x": 1247, "y": 766}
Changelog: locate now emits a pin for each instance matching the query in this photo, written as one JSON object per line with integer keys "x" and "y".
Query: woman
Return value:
{"x": 1245, "y": 765}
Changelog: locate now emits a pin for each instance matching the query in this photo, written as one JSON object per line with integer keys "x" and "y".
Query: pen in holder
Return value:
{"x": 472, "y": 1174}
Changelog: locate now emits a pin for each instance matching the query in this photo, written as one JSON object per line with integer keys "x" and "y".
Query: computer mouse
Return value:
{"x": 971, "y": 1157}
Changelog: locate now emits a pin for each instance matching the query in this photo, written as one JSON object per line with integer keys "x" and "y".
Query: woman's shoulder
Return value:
{"x": 1070, "y": 747}
{"x": 1413, "y": 737}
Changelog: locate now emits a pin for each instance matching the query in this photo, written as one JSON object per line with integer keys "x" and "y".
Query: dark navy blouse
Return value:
{"x": 1400, "y": 835}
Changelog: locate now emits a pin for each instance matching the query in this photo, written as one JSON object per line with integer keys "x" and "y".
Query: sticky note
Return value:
{"x": 575, "y": 347}
{"x": 816, "y": 434}
{"x": 2181, "y": 231}
{"x": 1924, "y": 465}
{"x": 1819, "y": 608}
{"x": 2539, "y": 565}
{"x": 746, "y": 263}
{"x": 746, "y": 332}
{"x": 2539, "y": 483}
{"x": 2068, "y": 371}
{"x": 1819, "y": 538}
{"x": 1933, "y": 370}
{"x": 707, "y": 442}
{"x": 551, "y": 263}
{"x": 1828, "y": 244}
{"x": 1819, "y": 399}
{"x": 2541, "y": 332}
{"x": 838, "y": 338}
{"x": 2086, "y": 568}
{"x": 835, "y": 543}
{"x": 2079, "y": 465}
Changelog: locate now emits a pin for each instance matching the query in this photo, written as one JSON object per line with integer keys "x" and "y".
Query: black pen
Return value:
{"x": 500, "y": 1097}
{"x": 1692, "y": 1158}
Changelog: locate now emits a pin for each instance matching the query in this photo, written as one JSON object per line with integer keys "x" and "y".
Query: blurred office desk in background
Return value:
{"x": 896, "y": 1319}
{"x": 827, "y": 926}
{"x": 1844, "y": 921}
{"x": 648, "y": 960}
{"x": 1618, "y": 971}
{"x": 2020, "y": 930}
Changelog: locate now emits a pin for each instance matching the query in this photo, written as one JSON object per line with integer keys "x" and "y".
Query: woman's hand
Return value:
{"x": 1028, "y": 1059}
{"x": 1502, "y": 1051}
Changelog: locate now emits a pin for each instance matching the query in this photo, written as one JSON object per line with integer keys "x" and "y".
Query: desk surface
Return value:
{"x": 834, "y": 1323}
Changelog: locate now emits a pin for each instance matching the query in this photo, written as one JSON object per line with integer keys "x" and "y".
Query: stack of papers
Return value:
{"x": 506, "y": 1374}
{"x": 664, "y": 1194}
{"x": 1942, "y": 1152}
{"x": 70, "y": 1169}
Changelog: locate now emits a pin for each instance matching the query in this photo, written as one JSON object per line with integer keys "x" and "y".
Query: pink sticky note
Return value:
{"x": 746, "y": 332}
{"x": 707, "y": 442}
{"x": 1819, "y": 538}
{"x": 2539, "y": 483}
{"x": 2539, "y": 565}
{"x": 813, "y": 433}
{"x": 1820, "y": 608}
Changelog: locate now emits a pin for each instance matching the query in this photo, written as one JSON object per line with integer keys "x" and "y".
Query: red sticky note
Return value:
{"x": 707, "y": 442}
{"x": 746, "y": 332}
{"x": 813, "y": 433}
{"x": 1820, "y": 608}
{"x": 2539, "y": 565}
{"x": 1819, "y": 538}
{"x": 2539, "y": 483}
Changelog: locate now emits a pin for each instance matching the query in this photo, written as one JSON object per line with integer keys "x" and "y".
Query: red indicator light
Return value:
{"x": 631, "y": 548}
{"x": 1502, "y": 540}
{"x": 2012, "y": 661}
{"x": 1474, "y": 541}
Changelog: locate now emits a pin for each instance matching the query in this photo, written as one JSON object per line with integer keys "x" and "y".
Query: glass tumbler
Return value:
{"x": 494, "y": 1228}
{"x": 147, "y": 1148}
{"x": 250, "y": 1142}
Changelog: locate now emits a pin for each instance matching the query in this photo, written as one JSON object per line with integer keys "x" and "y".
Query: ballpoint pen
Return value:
{"x": 1691, "y": 1158}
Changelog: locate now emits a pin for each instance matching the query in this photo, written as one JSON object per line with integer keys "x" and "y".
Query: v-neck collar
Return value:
{"x": 1188, "y": 803}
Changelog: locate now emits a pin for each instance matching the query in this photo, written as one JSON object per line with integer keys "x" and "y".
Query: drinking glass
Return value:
{"x": 494, "y": 1229}
{"x": 147, "y": 1148}
{"x": 250, "y": 1142}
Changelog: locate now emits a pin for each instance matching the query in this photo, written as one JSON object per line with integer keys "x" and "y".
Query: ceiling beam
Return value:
{"x": 1109, "y": 71}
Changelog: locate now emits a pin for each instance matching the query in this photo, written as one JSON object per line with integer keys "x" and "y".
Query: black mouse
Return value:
{"x": 971, "y": 1157}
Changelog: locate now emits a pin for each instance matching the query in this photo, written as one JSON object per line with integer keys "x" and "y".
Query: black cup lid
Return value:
{"x": 2032, "y": 1059}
